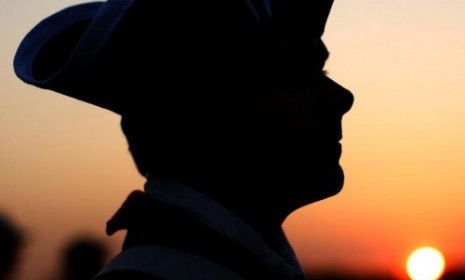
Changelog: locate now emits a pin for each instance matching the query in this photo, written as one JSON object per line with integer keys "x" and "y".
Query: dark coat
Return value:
{"x": 168, "y": 242}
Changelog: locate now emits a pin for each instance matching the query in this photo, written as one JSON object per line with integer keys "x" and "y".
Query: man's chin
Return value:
{"x": 329, "y": 184}
{"x": 335, "y": 183}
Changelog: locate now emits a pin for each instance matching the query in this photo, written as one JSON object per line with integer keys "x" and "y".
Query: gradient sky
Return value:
{"x": 64, "y": 165}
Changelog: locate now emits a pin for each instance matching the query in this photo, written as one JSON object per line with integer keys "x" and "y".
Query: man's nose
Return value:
{"x": 340, "y": 99}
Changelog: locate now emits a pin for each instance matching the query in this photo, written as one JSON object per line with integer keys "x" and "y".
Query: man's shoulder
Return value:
{"x": 127, "y": 275}
{"x": 160, "y": 262}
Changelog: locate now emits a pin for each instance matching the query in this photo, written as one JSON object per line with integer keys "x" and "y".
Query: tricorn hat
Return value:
{"x": 97, "y": 52}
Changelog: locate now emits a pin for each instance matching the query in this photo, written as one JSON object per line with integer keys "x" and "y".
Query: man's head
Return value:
{"x": 234, "y": 105}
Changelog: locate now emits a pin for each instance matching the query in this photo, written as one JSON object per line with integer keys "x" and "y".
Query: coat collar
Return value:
{"x": 216, "y": 217}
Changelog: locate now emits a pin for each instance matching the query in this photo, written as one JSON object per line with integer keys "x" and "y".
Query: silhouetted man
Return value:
{"x": 227, "y": 112}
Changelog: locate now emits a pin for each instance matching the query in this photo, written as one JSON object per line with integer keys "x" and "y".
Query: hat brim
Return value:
{"x": 57, "y": 53}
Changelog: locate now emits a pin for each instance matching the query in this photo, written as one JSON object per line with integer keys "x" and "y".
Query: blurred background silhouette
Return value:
{"x": 64, "y": 165}
{"x": 458, "y": 274}
{"x": 82, "y": 258}
{"x": 11, "y": 242}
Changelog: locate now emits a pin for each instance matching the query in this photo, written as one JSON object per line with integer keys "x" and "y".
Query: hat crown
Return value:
{"x": 117, "y": 33}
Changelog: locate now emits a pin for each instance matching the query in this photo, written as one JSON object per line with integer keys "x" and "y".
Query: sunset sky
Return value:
{"x": 64, "y": 165}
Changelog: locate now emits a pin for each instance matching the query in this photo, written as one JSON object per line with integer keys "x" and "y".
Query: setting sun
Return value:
{"x": 425, "y": 263}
